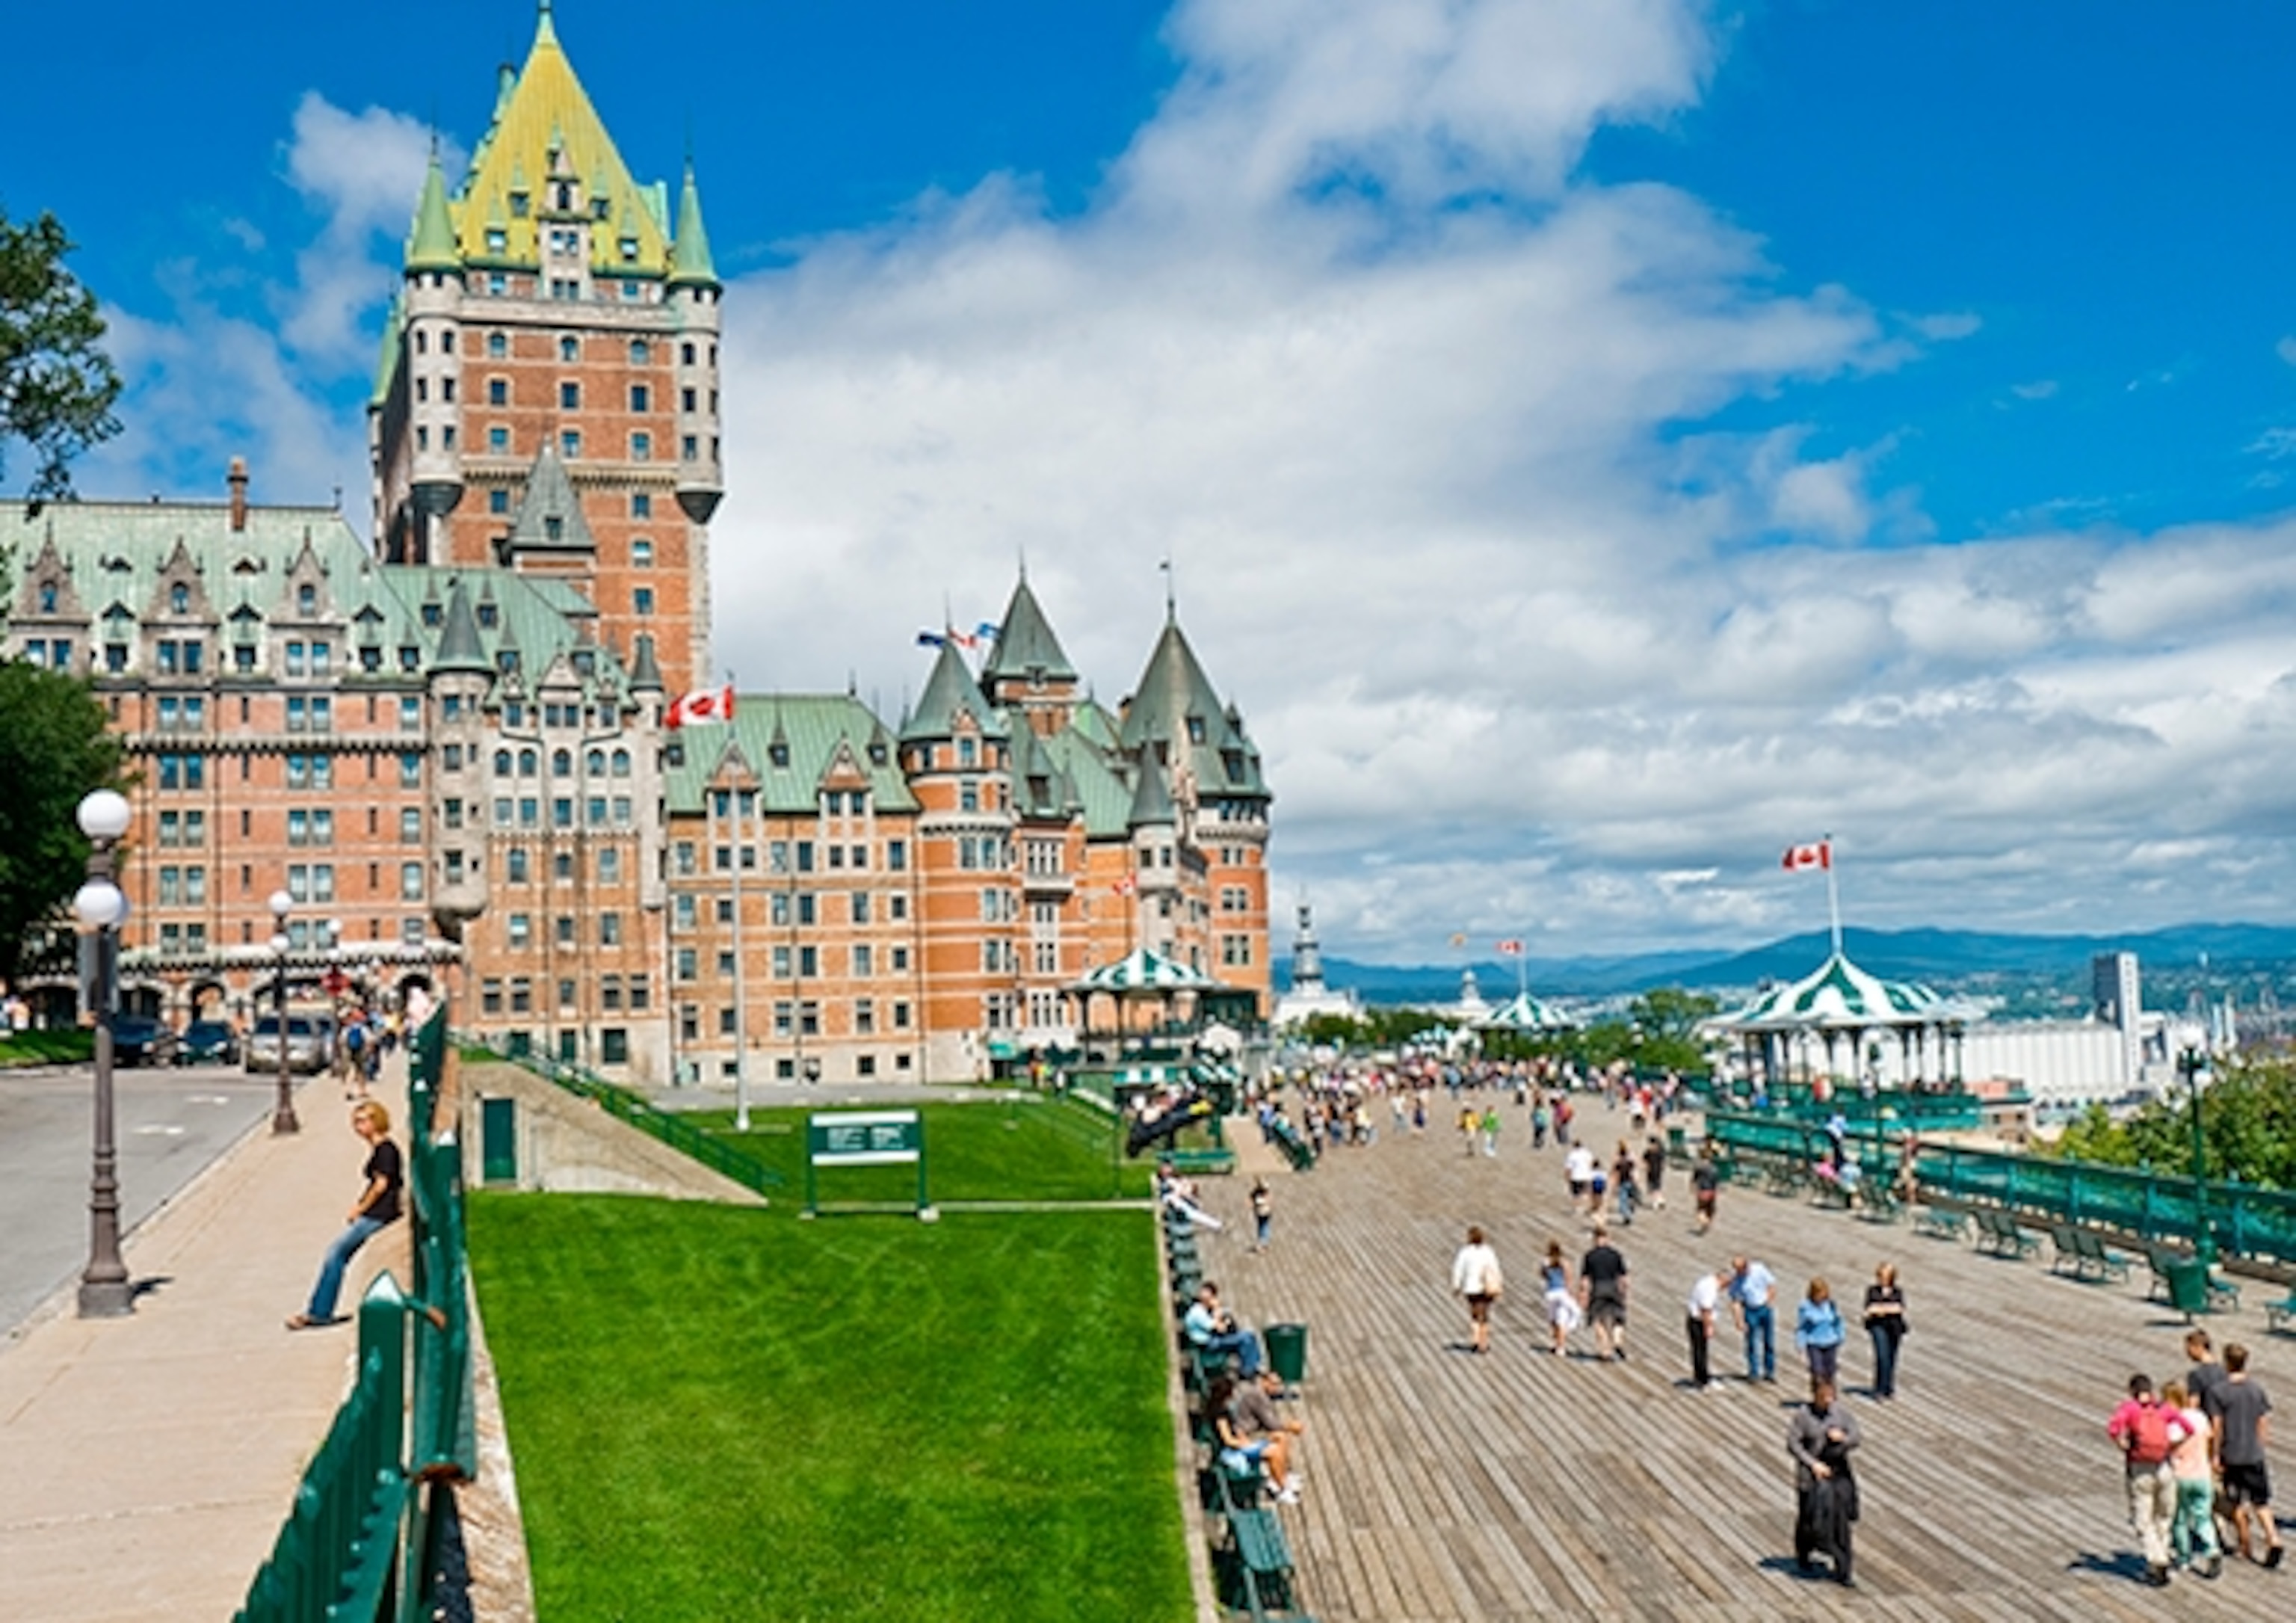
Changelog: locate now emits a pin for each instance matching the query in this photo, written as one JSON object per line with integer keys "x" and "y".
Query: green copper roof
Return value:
{"x": 432, "y": 245}
{"x": 459, "y": 648}
{"x": 689, "y": 252}
{"x": 1025, "y": 643}
{"x": 1090, "y": 720}
{"x": 947, "y": 691}
{"x": 1151, "y": 800}
{"x": 789, "y": 743}
{"x": 1176, "y": 707}
{"x": 646, "y": 671}
{"x": 1091, "y": 782}
{"x": 550, "y": 515}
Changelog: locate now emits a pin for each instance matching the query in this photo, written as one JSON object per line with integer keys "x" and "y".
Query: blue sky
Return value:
{"x": 1602, "y": 441}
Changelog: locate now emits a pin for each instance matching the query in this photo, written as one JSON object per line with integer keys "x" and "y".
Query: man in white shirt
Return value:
{"x": 1705, "y": 1301}
{"x": 1578, "y": 1166}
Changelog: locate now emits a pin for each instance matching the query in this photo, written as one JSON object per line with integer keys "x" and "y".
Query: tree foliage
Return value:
{"x": 2247, "y": 1126}
{"x": 54, "y": 747}
{"x": 57, "y": 386}
{"x": 1659, "y": 1032}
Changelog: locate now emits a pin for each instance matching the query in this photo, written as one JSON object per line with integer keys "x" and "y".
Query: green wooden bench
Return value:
{"x": 2065, "y": 1251}
{"x": 1261, "y": 1562}
{"x": 1201, "y": 1163}
{"x": 1997, "y": 1232}
{"x": 2097, "y": 1261}
{"x": 1942, "y": 1222}
{"x": 1878, "y": 1202}
{"x": 2280, "y": 1316}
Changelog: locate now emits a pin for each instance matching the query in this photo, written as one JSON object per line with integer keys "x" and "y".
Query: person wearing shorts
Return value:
{"x": 1602, "y": 1293}
{"x": 2241, "y": 1409}
{"x": 1705, "y": 1184}
{"x": 1475, "y": 1275}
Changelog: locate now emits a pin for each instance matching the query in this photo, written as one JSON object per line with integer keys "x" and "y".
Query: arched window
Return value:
{"x": 621, "y": 764}
{"x": 179, "y": 598}
{"x": 562, "y": 763}
{"x": 502, "y": 764}
{"x": 595, "y": 763}
{"x": 526, "y": 763}
{"x": 570, "y": 347}
{"x": 47, "y": 597}
{"x": 307, "y": 599}
{"x": 641, "y": 352}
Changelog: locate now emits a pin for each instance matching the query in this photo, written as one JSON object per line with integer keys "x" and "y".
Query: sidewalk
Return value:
{"x": 146, "y": 1463}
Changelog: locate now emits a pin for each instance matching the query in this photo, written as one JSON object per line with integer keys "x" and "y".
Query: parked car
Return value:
{"x": 310, "y": 1043}
{"x": 139, "y": 1038}
{"x": 207, "y": 1042}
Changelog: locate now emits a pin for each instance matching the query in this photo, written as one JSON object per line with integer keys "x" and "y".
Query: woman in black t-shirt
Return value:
{"x": 1885, "y": 1322}
{"x": 378, "y": 1205}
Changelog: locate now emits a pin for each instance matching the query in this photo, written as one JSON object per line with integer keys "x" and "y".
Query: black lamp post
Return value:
{"x": 282, "y": 1113}
{"x": 105, "y": 1292}
{"x": 2193, "y": 1064}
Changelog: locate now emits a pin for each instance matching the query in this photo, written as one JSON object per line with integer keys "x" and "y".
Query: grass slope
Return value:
{"x": 1026, "y": 1150}
{"x": 717, "y": 1415}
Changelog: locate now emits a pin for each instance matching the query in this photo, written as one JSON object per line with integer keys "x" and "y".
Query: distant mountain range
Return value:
{"x": 1922, "y": 954}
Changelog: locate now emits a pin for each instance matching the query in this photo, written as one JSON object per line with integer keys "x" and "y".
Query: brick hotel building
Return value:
{"x": 450, "y": 748}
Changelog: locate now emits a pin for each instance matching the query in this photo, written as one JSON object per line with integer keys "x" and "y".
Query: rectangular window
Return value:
{"x": 896, "y": 855}
{"x": 521, "y": 929}
{"x": 689, "y": 964}
{"x": 682, "y": 912}
{"x": 863, "y": 961}
{"x": 860, "y": 907}
{"x": 641, "y": 447}
{"x": 410, "y": 881}
{"x": 410, "y": 769}
{"x": 781, "y": 963}
{"x": 490, "y": 996}
{"x": 609, "y": 929}
{"x": 900, "y": 1017}
{"x": 410, "y": 826}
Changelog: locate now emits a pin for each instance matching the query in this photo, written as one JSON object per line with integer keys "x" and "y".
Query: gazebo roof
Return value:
{"x": 1143, "y": 971}
{"x": 1524, "y": 1012}
{"x": 1840, "y": 996}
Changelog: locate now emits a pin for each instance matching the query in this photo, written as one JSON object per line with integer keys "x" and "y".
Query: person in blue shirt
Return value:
{"x": 1754, "y": 1291}
{"x": 1818, "y": 1333}
{"x": 1208, "y": 1325}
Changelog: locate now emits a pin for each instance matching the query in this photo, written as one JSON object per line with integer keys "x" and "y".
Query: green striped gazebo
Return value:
{"x": 1143, "y": 976}
{"x": 1839, "y": 1000}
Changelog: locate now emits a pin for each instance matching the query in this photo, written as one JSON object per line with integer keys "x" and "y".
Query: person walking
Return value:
{"x": 2193, "y": 1528}
{"x": 1475, "y": 1275}
{"x": 1603, "y": 1295}
{"x": 1490, "y": 1125}
{"x": 1538, "y": 1123}
{"x": 1819, "y": 1332}
{"x": 1753, "y": 1293}
{"x": 1885, "y": 1323}
{"x": 1263, "y": 1213}
{"x": 1562, "y": 1307}
{"x": 1654, "y": 1172}
{"x": 1622, "y": 1175}
{"x": 378, "y": 1207}
{"x": 2140, "y": 1427}
{"x": 2243, "y": 1418}
{"x": 1820, "y": 1438}
{"x": 1705, "y": 1187}
{"x": 1705, "y": 1302}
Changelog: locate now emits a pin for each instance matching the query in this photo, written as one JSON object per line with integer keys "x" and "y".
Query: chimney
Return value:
{"x": 237, "y": 481}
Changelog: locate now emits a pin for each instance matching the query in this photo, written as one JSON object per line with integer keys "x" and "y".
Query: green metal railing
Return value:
{"x": 2229, "y": 1220}
{"x": 2233, "y": 1218}
{"x": 1902, "y": 1109}
{"x": 667, "y": 1127}
{"x": 372, "y": 1505}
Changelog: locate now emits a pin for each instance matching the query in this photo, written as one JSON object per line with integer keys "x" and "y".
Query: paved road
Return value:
{"x": 171, "y": 1125}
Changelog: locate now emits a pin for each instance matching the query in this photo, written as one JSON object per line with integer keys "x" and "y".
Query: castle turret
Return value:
{"x": 432, "y": 303}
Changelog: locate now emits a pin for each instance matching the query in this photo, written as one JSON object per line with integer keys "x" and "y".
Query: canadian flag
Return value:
{"x": 1801, "y": 857}
{"x": 701, "y": 705}
{"x": 1510, "y": 948}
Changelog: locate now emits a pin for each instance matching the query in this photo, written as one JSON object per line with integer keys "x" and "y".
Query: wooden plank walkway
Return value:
{"x": 1442, "y": 1487}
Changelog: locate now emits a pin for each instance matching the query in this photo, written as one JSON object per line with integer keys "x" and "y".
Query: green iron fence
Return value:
{"x": 361, "y": 1543}
{"x": 666, "y": 1125}
{"x": 2235, "y": 1219}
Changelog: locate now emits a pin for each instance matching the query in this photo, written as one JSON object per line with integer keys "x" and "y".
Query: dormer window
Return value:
{"x": 507, "y": 662}
{"x": 778, "y": 752}
{"x": 629, "y": 249}
{"x": 307, "y": 599}
{"x": 179, "y": 598}
{"x": 519, "y": 203}
{"x": 877, "y": 755}
{"x": 431, "y": 615}
{"x": 1195, "y": 729}
{"x": 490, "y": 616}
{"x": 563, "y": 196}
{"x": 498, "y": 240}
{"x": 553, "y": 528}
{"x": 47, "y": 597}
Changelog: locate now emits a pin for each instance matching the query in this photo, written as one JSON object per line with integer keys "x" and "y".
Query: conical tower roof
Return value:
{"x": 459, "y": 647}
{"x": 1151, "y": 800}
{"x": 692, "y": 266}
{"x": 1025, "y": 643}
{"x": 645, "y": 670}
{"x": 432, "y": 244}
{"x": 550, "y": 518}
{"x": 950, "y": 688}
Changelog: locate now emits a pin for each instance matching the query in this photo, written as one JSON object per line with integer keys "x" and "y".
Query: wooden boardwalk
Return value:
{"x": 1439, "y": 1486}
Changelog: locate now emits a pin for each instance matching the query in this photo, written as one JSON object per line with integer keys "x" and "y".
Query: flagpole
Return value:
{"x": 1833, "y": 896}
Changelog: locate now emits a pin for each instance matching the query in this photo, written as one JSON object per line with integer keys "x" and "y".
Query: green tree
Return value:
{"x": 57, "y": 386}
{"x": 54, "y": 747}
{"x": 2248, "y": 1125}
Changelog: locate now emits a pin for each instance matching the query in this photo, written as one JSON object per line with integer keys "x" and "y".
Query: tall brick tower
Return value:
{"x": 548, "y": 397}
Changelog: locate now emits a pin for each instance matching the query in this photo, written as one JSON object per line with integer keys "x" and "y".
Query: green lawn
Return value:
{"x": 1025, "y": 1150}
{"x": 718, "y": 1416}
{"x": 67, "y": 1046}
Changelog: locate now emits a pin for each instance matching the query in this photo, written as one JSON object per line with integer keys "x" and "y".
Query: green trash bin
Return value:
{"x": 1677, "y": 1141}
{"x": 1287, "y": 1352}
{"x": 2188, "y": 1285}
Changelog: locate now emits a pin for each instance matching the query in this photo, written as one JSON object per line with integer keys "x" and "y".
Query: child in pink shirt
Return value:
{"x": 2194, "y": 1533}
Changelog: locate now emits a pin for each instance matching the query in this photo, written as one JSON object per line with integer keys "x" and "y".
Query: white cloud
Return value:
{"x": 1347, "y": 334}
{"x": 2286, "y": 349}
{"x": 225, "y": 373}
{"x": 2039, "y": 389}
